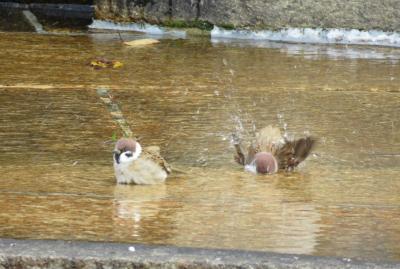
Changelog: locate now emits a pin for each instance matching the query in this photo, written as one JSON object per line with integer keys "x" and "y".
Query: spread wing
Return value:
{"x": 153, "y": 152}
{"x": 293, "y": 152}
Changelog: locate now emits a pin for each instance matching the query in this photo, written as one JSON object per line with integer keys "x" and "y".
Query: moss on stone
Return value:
{"x": 202, "y": 25}
{"x": 227, "y": 26}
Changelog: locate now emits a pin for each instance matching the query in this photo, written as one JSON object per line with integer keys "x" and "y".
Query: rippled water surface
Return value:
{"x": 188, "y": 96}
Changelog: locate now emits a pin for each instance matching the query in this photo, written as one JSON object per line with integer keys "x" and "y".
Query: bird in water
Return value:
{"x": 136, "y": 165}
{"x": 271, "y": 152}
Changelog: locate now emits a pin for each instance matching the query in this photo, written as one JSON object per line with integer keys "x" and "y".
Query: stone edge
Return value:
{"x": 79, "y": 254}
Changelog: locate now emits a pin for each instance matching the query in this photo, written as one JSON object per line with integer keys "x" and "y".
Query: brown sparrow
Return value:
{"x": 132, "y": 164}
{"x": 270, "y": 152}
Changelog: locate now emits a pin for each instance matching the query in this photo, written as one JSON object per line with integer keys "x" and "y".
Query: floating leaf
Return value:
{"x": 117, "y": 64}
{"x": 104, "y": 63}
{"x": 141, "y": 42}
{"x": 98, "y": 64}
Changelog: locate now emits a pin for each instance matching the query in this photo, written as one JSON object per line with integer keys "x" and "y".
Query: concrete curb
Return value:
{"x": 76, "y": 254}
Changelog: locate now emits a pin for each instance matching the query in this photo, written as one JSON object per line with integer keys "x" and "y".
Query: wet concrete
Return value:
{"x": 68, "y": 254}
{"x": 188, "y": 96}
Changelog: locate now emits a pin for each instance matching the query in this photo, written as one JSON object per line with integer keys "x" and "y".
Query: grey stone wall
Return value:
{"x": 267, "y": 14}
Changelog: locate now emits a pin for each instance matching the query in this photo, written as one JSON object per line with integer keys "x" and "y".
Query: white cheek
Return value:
{"x": 124, "y": 159}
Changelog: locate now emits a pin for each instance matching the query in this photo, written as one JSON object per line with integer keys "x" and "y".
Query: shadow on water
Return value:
{"x": 188, "y": 96}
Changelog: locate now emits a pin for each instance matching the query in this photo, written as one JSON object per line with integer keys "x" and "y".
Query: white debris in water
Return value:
{"x": 132, "y": 249}
{"x": 308, "y": 35}
{"x": 136, "y": 27}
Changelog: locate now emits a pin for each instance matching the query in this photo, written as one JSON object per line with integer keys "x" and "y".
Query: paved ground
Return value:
{"x": 67, "y": 254}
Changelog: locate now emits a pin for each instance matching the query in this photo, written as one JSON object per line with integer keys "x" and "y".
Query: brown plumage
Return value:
{"x": 125, "y": 144}
{"x": 291, "y": 153}
{"x": 153, "y": 153}
{"x": 285, "y": 153}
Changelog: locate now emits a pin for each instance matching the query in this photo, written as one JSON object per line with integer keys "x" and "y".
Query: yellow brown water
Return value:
{"x": 188, "y": 96}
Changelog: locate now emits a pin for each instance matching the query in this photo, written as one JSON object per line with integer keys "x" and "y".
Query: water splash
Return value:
{"x": 281, "y": 120}
{"x": 318, "y": 35}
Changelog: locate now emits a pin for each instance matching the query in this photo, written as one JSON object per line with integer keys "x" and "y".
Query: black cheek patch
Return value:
{"x": 116, "y": 157}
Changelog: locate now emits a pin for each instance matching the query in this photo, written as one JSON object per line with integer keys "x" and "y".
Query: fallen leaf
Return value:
{"x": 104, "y": 63}
{"x": 117, "y": 64}
{"x": 141, "y": 42}
{"x": 98, "y": 63}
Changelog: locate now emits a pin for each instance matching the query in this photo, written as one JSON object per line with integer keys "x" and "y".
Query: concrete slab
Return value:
{"x": 68, "y": 254}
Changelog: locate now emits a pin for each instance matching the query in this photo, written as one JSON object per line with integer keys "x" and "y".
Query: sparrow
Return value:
{"x": 137, "y": 165}
{"x": 271, "y": 152}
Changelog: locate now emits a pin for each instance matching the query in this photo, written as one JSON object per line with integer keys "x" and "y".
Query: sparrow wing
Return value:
{"x": 252, "y": 151}
{"x": 154, "y": 149}
{"x": 293, "y": 152}
{"x": 239, "y": 156}
{"x": 153, "y": 153}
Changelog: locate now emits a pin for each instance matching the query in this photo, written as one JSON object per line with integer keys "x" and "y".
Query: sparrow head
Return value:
{"x": 126, "y": 150}
{"x": 265, "y": 163}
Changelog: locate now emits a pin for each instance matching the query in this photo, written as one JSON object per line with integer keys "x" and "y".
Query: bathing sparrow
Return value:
{"x": 270, "y": 152}
{"x": 137, "y": 165}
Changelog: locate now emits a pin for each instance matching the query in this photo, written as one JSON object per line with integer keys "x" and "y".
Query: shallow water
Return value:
{"x": 188, "y": 96}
